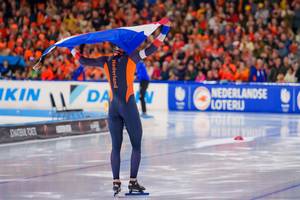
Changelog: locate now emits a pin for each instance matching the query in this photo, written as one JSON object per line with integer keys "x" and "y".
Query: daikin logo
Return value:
{"x": 96, "y": 96}
{"x": 19, "y": 94}
{"x": 75, "y": 91}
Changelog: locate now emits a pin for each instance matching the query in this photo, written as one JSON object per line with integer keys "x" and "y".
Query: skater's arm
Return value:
{"x": 136, "y": 56}
{"x": 98, "y": 62}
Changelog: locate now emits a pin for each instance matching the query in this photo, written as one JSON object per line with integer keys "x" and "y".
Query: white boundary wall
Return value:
{"x": 86, "y": 95}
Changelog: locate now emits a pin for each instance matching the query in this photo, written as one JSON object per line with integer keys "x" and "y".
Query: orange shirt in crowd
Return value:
{"x": 47, "y": 74}
{"x": 242, "y": 75}
{"x": 27, "y": 54}
{"x": 2, "y": 45}
{"x": 237, "y": 76}
{"x": 3, "y": 32}
{"x": 38, "y": 54}
{"x": 273, "y": 30}
{"x": 208, "y": 49}
{"x": 11, "y": 44}
{"x": 226, "y": 74}
{"x": 177, "y": 45}
{"x": 231, "y": 66}
{"x": 19, "y": 50}
{"x": 95, "y": 4}
{"x": 40, "y": 18}
{"x": 80, "y": 77}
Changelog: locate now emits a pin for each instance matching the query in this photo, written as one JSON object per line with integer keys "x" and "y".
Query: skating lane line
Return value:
{"x": 205, "y": 144}
{"x": 276, "y": 191}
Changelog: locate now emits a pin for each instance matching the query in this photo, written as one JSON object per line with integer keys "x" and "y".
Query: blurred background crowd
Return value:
{"x": 210, "y": 40}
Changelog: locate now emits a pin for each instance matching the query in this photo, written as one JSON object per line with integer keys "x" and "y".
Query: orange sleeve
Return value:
{"x": 130, "y": 70}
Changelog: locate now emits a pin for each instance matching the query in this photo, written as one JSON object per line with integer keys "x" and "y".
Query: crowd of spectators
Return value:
{"x": 210, "y": 40}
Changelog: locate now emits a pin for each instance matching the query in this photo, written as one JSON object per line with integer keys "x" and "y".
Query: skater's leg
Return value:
{"x": 116, "y": 125}
{"x": 134, "y": 129}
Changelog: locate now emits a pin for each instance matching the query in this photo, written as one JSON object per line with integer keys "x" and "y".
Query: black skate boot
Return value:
{"x": 136, "y": 189}
{"x": 116, "y": 188}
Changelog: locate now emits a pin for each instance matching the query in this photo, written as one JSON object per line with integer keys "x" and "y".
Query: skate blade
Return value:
{"x": 137, "y": 194}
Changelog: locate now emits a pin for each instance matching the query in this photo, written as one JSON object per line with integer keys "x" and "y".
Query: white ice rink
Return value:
{"x": 184, "y": 156}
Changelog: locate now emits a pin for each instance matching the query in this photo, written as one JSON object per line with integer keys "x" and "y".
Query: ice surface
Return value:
{"x": 184, "y": 156}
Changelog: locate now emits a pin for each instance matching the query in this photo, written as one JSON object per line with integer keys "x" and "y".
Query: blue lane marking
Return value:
{"x": 25, "y": 112}
{"x": 40, "y": 113}
{"x": 48, "y": 114}
{"x": 276, "y": 191}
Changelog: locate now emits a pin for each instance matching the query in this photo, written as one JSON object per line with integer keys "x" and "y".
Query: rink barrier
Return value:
{"x": 51, "y": 129}
{"x": 162, "y": 96}
{"x": 234, "y": 97}
{"x": 78, "y": 95}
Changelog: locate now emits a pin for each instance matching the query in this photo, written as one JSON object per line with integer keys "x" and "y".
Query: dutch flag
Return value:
{"x": 127, "y": 38}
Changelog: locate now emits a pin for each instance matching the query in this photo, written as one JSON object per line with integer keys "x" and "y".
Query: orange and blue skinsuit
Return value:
{"x": 120, "y": 70}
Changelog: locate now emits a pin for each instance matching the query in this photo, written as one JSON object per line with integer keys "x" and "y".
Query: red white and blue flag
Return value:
{"x": 127, "y": 38}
